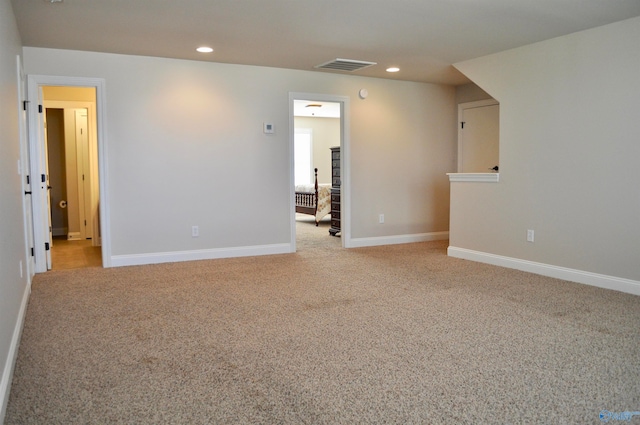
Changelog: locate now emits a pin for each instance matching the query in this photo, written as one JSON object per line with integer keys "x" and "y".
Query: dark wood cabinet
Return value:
{"x": 335, "y": 191}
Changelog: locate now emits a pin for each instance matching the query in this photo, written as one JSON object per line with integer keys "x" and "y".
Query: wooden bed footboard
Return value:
{"x": 307, "y": 202}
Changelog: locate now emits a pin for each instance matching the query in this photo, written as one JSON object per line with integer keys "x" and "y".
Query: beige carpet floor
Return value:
{"x": 398, "y": 334}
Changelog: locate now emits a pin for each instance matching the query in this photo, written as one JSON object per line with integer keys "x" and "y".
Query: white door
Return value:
{"x": 78, "y": 176}
{"x": 39, "y": 180}
{"x": 478, "y": 137}
{"x": 47, "y": 186}
{"x": 25, "y": 169}
{"x": 84, "y": 174}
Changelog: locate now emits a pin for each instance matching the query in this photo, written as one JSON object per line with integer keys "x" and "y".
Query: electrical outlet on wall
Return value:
{"x": 381, "y": 219}
{"x": 530, "y": 235}
{"x": 195, "y": 231}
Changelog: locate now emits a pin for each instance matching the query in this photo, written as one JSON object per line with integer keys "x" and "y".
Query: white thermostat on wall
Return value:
{"x": 269, "y": 128}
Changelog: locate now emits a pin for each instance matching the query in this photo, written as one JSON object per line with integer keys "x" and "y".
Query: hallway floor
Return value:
{"x": 68, "y": 254}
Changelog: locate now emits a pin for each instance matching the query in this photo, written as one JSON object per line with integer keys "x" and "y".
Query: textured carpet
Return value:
{"x": 399, "y": 334}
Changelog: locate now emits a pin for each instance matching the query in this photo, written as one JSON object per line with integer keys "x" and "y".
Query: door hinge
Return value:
{"x": 43, "y": 178}
{"x": 39, "y": 109}
{"x": 46, "y": 246}
{"x": 28, "y": 180}
{"x": 462, "y": 124}
{"x": 85, "y": 222}
{"x": 25, "y": 103}
{"x": 32, "y": 253}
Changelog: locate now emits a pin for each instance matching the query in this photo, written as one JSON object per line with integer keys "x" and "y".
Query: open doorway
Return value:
{"x": 67, "y": 167}
{"x": 479, "y": 136}
{"x": 318, "y": 132}
{"x": 74, "y": 193}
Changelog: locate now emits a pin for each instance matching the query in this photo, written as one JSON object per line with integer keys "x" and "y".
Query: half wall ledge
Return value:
{"x": 474, "y": 177}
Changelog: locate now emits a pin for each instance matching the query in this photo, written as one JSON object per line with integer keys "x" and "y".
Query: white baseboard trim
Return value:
{"x": 398, "y": 239}
{"x": 7, "y": 371}
{"x": 573, "y": 275}
{"x": 74, "y": 236}
{"x": 203, "y": 254}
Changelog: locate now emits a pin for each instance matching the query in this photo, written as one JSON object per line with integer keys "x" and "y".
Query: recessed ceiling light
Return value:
{"x": 393, "y": 69}
{"x": 204, "y": 49}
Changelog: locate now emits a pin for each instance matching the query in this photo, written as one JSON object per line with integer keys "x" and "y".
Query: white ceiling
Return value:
{"x": 422, "y": 37}
{"x": 314, "y": 108}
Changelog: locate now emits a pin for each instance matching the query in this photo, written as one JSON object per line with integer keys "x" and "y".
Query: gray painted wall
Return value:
{"x": 184, "y": 140}
{"x": 326, "y": 134}
{"x": 13, "y": 286}
{"x": 470, "y": 93}
{"x": 569, "y": 150}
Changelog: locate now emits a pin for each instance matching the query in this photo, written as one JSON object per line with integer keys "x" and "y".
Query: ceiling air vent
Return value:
{"x": 348, "y": 65}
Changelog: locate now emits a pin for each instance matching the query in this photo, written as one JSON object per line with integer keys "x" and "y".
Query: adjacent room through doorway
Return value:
{"x": 71, "y": 162}
{"x": 317, "y": 144}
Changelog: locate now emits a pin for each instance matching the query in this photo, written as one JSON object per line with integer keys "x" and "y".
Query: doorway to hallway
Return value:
{"x": 83, "y": 169}
{"x": 74, "y": 193}
{"x": 74, "y": 254}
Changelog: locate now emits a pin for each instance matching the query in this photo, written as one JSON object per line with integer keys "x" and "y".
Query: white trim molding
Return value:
{"x": 474, "y": 177}
{"x": 7, "y": 374}
{"x": 398, "y": 239}
{"x": 195, "y": 255}
{"x": 573, "y": 275}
